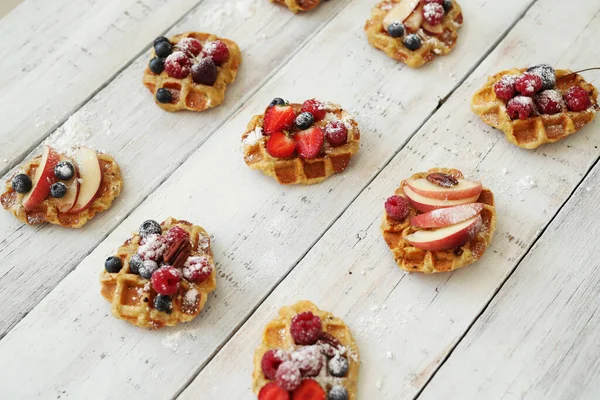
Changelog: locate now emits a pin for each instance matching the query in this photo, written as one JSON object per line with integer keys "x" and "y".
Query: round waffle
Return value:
{"x": 412, "y": 259}
{"x": 299, "y": 5}
{"x": 539, "y": 128}
{"x": 187, "y": 94}
{"x": 433, "y": 44}
{"x": 277, "y": 335}
{"x": 295, "y": 169}
{"x": 47, "y": 211}
{"x": 132, "y": 297}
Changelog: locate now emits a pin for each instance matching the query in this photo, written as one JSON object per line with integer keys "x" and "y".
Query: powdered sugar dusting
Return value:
{"x": 253, "y": 136}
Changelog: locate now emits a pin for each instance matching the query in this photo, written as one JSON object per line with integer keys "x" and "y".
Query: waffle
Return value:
{"x": 295, "y": 169}
{"x": 132, "y": 296}
{"x": 540, "y": 128}
{"x": 433, "y": 45}
{"x": 412, "y": 259}
{"x": 299, "y": 5}
{"x": 47, "y": 211}
{"x": 277, "y": 335}
{"x": 188, "y": 95}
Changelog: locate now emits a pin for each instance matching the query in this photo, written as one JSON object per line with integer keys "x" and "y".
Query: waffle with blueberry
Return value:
{"x": 161, "y": 276}
{"x": 301, "y": 143}
{"x": 299, "y": 5}
{"x": 306, "y": 353}
{"x": 191, "y": 71}
{"x": 536, "y": 105}
{"x": 437, "y": 221}
{"x": 414, "y": 31}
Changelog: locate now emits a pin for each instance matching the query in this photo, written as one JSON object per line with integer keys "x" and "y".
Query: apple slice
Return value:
{"x": 43, "y": 179}
{"x": 426, "y": 204}
{"x": 90, "y": 178}
{"x": 446, "y": 216}
{"x": 464, "y": 189}
{"x": 66, "y": 203}
{"x": 436, "y": 29}
{"x": 414, "y": 21}
{"x": 400, "y": 12}
{"x": 446, "y": 238}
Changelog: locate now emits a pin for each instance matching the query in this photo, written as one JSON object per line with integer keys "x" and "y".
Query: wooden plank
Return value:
{"x": 405, "y": 325}
{"x": 57, "y": 53}
{"x": 260, "y": 228}
{"x": 124, "y": 121}
{"x": 539, "y": 337}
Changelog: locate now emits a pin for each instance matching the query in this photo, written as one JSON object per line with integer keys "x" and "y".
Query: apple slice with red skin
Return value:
{"x": 414, "y": 21}
{"x": 400, "y": 12}
{"x": 446, "y": 238}
{"x": 447, "y": 216}
{"x": 425, "y": 204}
{"x": 436, "y": 29}
{"x": 66, "y": 203}
{"x": 43, "y": 179}
{"x": 90, "y": 178}
{"x": 464, "y": 189}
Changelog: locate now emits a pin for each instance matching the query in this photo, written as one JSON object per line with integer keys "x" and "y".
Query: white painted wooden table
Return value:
{"x": 522, "y": 323}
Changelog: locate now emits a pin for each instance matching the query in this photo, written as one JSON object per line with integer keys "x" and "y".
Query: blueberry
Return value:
{"x": 278, "y": 101}
{"x": 338, "y": 393}
{"x": 58, "y": 190}
{"x": 147, "y": 269}
{"x": 162, "y": 302}
{"x": 447, "y": 4}
{"x": 163, "y": 49}
{"x": 135, "y": 262}
{"x": 338, "y": 366}
{"x": 304, "y": 120}
{"x": 157, "y": 65}
{"x": 113, "y": 264}
{"x": 150, "y": 227}
{"x": 64, "y": 170}
{"x": 396, "y": 29}
{"x": 160, "y": 39}
{"x": 547, "y": 73}
{"x": 21, "y": 183}
{"x": 413, "y": 42}
{"x": 163, "y": 95}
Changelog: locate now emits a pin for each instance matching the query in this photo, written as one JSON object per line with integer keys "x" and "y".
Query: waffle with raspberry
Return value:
{"x": 301, "y": 143}
{"x": 306, "y": 353}
{"x": 414, "y": 31}
{"x": 438, "y": 222}
{"x": 536, "y": 105}
{"x": 299, "y": 5}
{"x": 191, "y": 71}
{"x": 161, "y": 276}
{"x": 63, "y": 190}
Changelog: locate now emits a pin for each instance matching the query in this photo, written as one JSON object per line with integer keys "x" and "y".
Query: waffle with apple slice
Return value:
{"x": 299, "y": 5}
{"x": 63, "y": 190}
{"x": 414, "y": 31}
{"x": 437, "y": 221}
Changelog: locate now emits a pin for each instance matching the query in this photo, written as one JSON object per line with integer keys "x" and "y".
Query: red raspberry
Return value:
{"x": 577, "y": 99}
{"x": 397, "y": 208}
{"x": 433, "y": 13}
{"x": 528, "y": 84}
{"x": 520, "y": 107}
{"x": 315, "y": 107}
{"x": 190, "y": 46}
{"x": 505, "y": 87}
{"x": 336, "y": 133}
{"x": 152, "y": 247}
{"x": 308, "y": 359}
{"x": 165, "y": 280}
{"x": 217, "y": 51}
{"x": 271, "y": 360}
{"x": 175, "y": 233}
{"x": 178, "y": 65}
{"x": 197, "y": 269}
{"x": 306, "y": 328}
{"x": 549, "y": 102}
{"x": 288, "y": 376}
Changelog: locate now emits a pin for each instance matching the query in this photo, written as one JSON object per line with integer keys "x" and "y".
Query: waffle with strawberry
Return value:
{"x": 437, "y": 221}
{"x": 306, "y": 353}
{"x": 414, "y": 31}
{"x": 301, "y": 143}
{"x": 536, "y": 105}
{"x": 299, "y": 5}
{"x": 66, "y": 190}
{"x": 161, "y": 276}
{"x": 191, "y": 71}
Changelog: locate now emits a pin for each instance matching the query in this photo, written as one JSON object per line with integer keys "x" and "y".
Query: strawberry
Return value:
{"x": 315, "y": 107}
{"x": 273, "y": 392}
{"x": 278, "y": 118}
{"x": 309, "y": 142}
{"x": 280, "y": 146}
{"x": 309, "y": 390}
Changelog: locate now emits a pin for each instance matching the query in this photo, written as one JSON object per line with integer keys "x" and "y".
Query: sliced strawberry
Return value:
{"x": 280, "y": 146}
{"x": 273, "y": 392}
{"x": 309, "y": 389}
{"x": 278, "y": 118}
{"x": 315, "y": 107}
{"x": 309, "y": 142}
